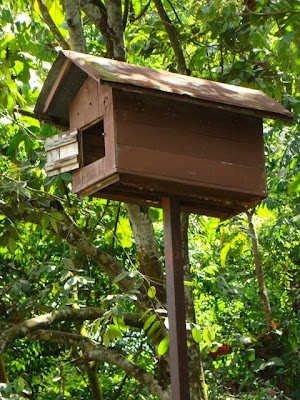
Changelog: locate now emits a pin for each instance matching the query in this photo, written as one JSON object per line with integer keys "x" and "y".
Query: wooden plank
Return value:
{"x": 179, "y": 366}
{"x": 87, "y": 106}
{"x": 190, "y": 169}
{"x": 91, "y": 174}
{"x": 90, "y": 100}
{"x": 76, "y": 111}
{"x": 62, "y": 153}
{"x": 98, "y": 186}
{"x": 63, "y": 165}
{"x": 61, "y": 75}
{"x": 184, "y": 142}
{"x": 205, "y": 103}
{"x": 151, "y": 109}
{"x": 62, "y": 139}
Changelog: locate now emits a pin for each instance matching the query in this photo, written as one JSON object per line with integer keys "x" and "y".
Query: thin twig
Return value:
{"x": 172, "y": 36}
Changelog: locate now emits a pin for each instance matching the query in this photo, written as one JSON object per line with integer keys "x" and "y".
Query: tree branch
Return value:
{"x": 51, "y": 25}
{"x": 96, "y": 352}
{"x": 172, "y": 36}
{"x": 142, "y": 13}
{"x": 263, "y": 293}
{"x": 73, "y": 14}
{"x": 68, "y": 230}
{"x": 13, "y": 332}
{"x": 115, "y": 28}
{"x": 125, "y": 14}
{"x": 266, "y": 14}
{"x": 147, "y": 248}
{"x": 97, "y": 13}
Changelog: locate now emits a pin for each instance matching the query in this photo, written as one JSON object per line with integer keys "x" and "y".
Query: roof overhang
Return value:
{"x": 71, "y": 69}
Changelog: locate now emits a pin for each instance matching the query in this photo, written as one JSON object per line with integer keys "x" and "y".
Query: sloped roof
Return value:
{"x": 214, "y": 94}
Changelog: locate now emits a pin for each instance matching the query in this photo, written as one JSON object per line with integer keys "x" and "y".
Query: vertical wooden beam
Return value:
{"x": 175, "y": 300}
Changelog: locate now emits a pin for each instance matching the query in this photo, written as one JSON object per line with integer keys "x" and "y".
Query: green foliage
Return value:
{"x": 221, "y": 40}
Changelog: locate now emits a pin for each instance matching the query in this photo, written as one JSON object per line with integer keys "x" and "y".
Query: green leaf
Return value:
{"x": 208, "y": 335}
{"x": 151, "y": 292}
{"x": 223, "y": 253}
{"x": 149, "y": 321}
{"x": 54, "y": 224}
{"x": 188, "y": 283}
{"x": 115, "y": 332}
{"x": 66, "y": 176}
{"x": 21, "y": 383}
{"x": 245, "y": 340}
{"x": 45, "y": 221}
{"x": 146, "y": 313}
{"x": 58, "y": 216}
{"x": 121, "y": 276}
{"x": 251, "y": 354}
{"x": 119, "y": 323}
{"x": 196, "y": 335}
{"x": 163, "y": 346}
{"x": 11, "y": 244}
{"x": 294, "y": 184}
{"x": 153, "y": 328}
{"x": 124, "y": 233}
{"x": 86, "y": 280}
{"x": 106, "y": 339}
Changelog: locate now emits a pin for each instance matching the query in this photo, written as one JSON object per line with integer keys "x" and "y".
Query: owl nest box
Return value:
{"x": 135, "y": 135}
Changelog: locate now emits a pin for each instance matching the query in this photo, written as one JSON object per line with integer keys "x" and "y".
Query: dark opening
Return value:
{"x": 93, "y": 146}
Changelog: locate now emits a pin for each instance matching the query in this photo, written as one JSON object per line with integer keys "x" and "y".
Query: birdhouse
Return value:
{"x": 135, "y": 134}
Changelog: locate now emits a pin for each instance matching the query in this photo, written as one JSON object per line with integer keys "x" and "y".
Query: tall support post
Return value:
{"x": 175, "y": 300}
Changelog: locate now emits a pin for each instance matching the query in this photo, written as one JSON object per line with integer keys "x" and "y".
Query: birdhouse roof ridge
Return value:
{"x": 215, "y": 94}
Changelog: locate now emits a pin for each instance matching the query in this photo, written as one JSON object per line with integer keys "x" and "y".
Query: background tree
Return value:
{"x": 82, "y": 305}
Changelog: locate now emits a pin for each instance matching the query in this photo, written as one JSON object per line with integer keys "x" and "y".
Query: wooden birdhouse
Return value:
{"x": 135, "y": 134}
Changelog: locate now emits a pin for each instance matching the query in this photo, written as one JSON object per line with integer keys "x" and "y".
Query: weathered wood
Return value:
{"x": 158, "y": 124}
{"x": 62, "y": 153}
{"x": 212, "y": 159}
{"x": 62, "y": 73}
{"x": 192, "y": 169}
{"x": 107, "y": 181}
{"x": 87, "y": 106}
{"x": 60, "y": 140}
{"x": 86, "y": 178}
{"x": 146, "y": 191}
{"x": 175, "y": 300}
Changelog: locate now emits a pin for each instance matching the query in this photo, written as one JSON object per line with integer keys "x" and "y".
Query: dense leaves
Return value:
{"x": 252, "y": 43}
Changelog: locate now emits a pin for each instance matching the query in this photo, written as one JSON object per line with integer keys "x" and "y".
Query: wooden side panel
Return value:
{"x": 86, "y": 179}
{"x": 176, "y": 141}
{"x": 192, "y": 169}
{"x": 62, "y": 153}
{"x": 87, "y": 105}
{"x": 170, "y": 139}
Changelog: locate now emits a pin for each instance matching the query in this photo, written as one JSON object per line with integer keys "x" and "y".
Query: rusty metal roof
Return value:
{"x": 215, "y": 94}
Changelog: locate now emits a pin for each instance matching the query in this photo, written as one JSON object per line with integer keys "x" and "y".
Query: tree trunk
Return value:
{"x": 263, "y": 293}
{"x": 115, "y": 28}
{"x": 197, "y": 378}
{"x": 3, "y": 374}
{"x": 73, "y": 13}
{"x": 91, "y": 371}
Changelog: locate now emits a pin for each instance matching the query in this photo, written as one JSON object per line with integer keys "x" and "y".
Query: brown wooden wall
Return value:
{"x": 162, "y": 139}
{"x": 94, "y": 102}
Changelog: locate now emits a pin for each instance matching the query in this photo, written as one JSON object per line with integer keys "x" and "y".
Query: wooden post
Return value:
{"x": 175, "y": 300}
